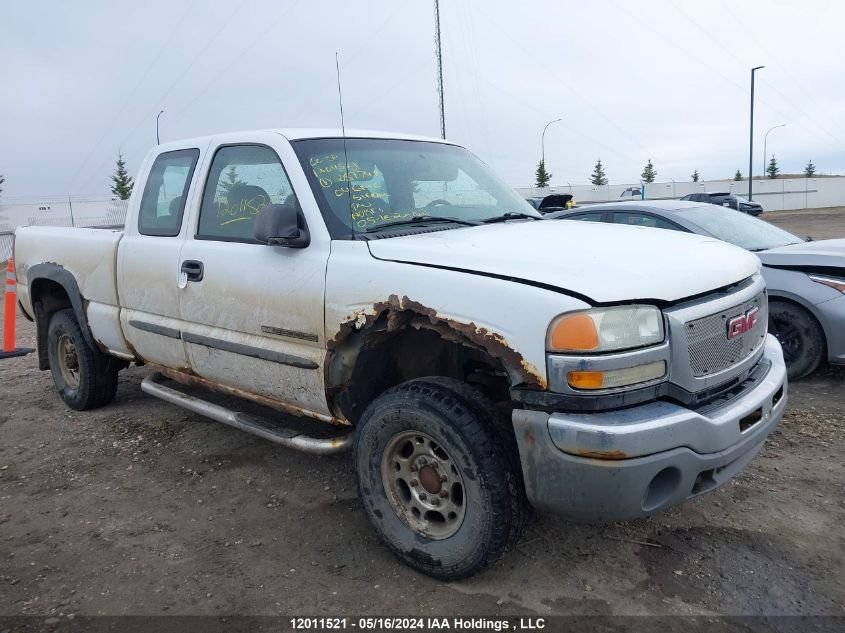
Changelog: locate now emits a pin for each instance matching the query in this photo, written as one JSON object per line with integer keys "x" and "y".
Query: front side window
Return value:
{"x": 375, "y": 182}
{"x": 163, "y": 200}
{"x": 585, "y": 217}
{"x": 243, "y": 179}
{"x": 641, "y": 219}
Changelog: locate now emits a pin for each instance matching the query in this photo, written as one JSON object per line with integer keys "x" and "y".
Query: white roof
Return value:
{"x": 293, "y": 134}
{"x": 301, "y": 133}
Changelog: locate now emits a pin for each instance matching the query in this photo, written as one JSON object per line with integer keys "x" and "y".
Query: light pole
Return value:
{"x": 543, "y": 141}
{"x": 157, "y": 118}
{"x": 751, "y": 136}
{"x": 765, "y": 139}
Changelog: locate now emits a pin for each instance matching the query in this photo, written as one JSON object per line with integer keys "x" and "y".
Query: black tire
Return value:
{"x": 95, "y": 373}
{"x": 800, "y": 335}
{"x": 469, "y": 429}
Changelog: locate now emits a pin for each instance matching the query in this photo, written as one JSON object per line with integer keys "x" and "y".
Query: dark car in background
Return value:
{"x": 552, "y": 202}
{"x": 726, "y": 199}
{"x": 805, "y": 279}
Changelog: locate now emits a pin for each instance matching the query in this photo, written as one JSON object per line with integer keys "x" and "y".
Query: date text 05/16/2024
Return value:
{"x": 417, "y": 624}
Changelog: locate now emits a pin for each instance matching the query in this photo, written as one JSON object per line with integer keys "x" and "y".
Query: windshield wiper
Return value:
{"x": 510, "y": 215}
{"x": 419, "y": 219}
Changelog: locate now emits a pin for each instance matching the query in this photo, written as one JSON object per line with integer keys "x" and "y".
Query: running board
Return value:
{"x": 286, "y": 437}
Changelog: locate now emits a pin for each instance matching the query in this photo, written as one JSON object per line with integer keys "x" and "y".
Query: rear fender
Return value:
{"x": 64, "y": 278}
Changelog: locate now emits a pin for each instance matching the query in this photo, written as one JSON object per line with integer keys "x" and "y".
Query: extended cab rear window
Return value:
{"x": 163, "y": 201}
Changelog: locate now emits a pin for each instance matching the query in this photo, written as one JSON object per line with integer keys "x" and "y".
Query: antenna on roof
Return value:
{"x": 439, "y": 55}
{"x": 345, "y": 157}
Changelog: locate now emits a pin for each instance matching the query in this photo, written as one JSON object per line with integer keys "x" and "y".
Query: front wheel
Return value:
{"x": 800, "y": 335}
{"x": 436, "y": 477}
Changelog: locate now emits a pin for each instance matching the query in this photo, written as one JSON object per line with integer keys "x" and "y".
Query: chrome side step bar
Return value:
{"x": 286, "y": 437}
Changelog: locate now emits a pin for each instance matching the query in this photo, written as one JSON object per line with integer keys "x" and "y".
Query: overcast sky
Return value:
{"x": 666, "y": 80}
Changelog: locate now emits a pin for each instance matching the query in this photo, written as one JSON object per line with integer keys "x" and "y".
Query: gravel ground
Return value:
{"x": 141, "y": 508}
{"x": 820, "y": 224}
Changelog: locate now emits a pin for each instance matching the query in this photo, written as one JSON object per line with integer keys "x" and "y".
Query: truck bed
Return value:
{"x": 90, "y": 255}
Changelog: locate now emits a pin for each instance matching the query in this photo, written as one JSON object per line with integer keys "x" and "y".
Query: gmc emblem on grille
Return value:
{"x": 741, "y": 324}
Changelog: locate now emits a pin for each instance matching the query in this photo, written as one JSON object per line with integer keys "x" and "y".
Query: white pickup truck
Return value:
{"x": 477, "y": 358}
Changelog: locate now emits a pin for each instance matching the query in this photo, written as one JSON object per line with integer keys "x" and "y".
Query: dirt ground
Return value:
{"x": 820, "y": 224}
{"x": 141, "y": 508}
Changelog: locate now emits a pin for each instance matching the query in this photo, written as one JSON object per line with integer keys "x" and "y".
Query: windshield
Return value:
{"x": 392, "y": 181}
{"x": 738, "y": 228}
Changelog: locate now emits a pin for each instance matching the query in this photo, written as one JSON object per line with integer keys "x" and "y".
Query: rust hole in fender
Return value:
{"x": 407, "y": 312}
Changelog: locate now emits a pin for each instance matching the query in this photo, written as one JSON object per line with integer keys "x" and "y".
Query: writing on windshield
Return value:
{"x": 373, "y": 182}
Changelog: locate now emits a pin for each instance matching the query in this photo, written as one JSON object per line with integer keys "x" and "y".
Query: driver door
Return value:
{"x": 253, "y": 313}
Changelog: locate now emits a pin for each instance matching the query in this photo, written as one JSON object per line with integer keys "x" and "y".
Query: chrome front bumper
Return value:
{"x": 632, "y": 462}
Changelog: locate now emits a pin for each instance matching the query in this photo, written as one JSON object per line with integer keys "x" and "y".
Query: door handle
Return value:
{"x": 192, "y": 269}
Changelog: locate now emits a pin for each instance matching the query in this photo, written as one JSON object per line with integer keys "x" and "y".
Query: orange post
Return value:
{"x": 9, "y": 301}
{"x": 9, "y": 308}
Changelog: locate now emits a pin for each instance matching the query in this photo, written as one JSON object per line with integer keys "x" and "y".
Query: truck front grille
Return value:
{"x": 710, "y": 349}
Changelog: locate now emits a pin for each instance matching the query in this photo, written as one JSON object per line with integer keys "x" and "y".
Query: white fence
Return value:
{"x": 65, "y": 212}
{"x": 775, "y": 195}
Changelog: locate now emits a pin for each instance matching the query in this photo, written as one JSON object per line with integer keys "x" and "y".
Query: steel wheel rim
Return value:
{"x": 423, "y": 484}
{"x": 68, "y": 361}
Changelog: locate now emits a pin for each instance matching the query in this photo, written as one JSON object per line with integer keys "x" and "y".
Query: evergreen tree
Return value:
{"x": 648, "y": 174}
{"x": 695, "y": 176}
{"x": 809, "y": 171}
{"x": 598, "y": 177}
{"x": 738, "y": 176}
{"x": 772, "y": 170}
{"x": 122, "y": 187}
{"x": 232, "y": 180}
{"x": 543, "y": 177}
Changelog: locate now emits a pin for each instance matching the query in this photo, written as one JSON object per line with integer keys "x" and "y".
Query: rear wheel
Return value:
{"x": 800, "y": 335}
{"x": 436, "y": 478}
{"x": 85, "y": 378}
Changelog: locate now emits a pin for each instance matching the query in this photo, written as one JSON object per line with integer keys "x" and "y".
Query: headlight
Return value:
{"x": 606, "y": 329}
{"x": 837, "y": 283}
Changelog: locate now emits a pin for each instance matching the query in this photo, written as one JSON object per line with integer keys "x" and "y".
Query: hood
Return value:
{"x": 830, "y": 253}
{"x": 604, "y": 262}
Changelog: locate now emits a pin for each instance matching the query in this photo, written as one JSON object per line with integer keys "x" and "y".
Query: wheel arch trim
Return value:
{"x": 65, "y": 279}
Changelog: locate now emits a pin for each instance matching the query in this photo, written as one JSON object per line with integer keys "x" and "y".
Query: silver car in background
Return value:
{"x": 805, "y": 279}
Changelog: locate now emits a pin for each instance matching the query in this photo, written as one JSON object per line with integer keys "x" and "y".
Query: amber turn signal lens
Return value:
{"x": 576, "y": 332}
{"x": 586, "y": 379}
{"x": 613, "y": 378}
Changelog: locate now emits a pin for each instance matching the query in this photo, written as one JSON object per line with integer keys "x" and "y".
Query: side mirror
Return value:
{"x": 281, "y": 225}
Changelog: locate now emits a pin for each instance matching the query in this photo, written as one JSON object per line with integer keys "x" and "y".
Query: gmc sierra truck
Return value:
{"x": 476, "y": 358}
